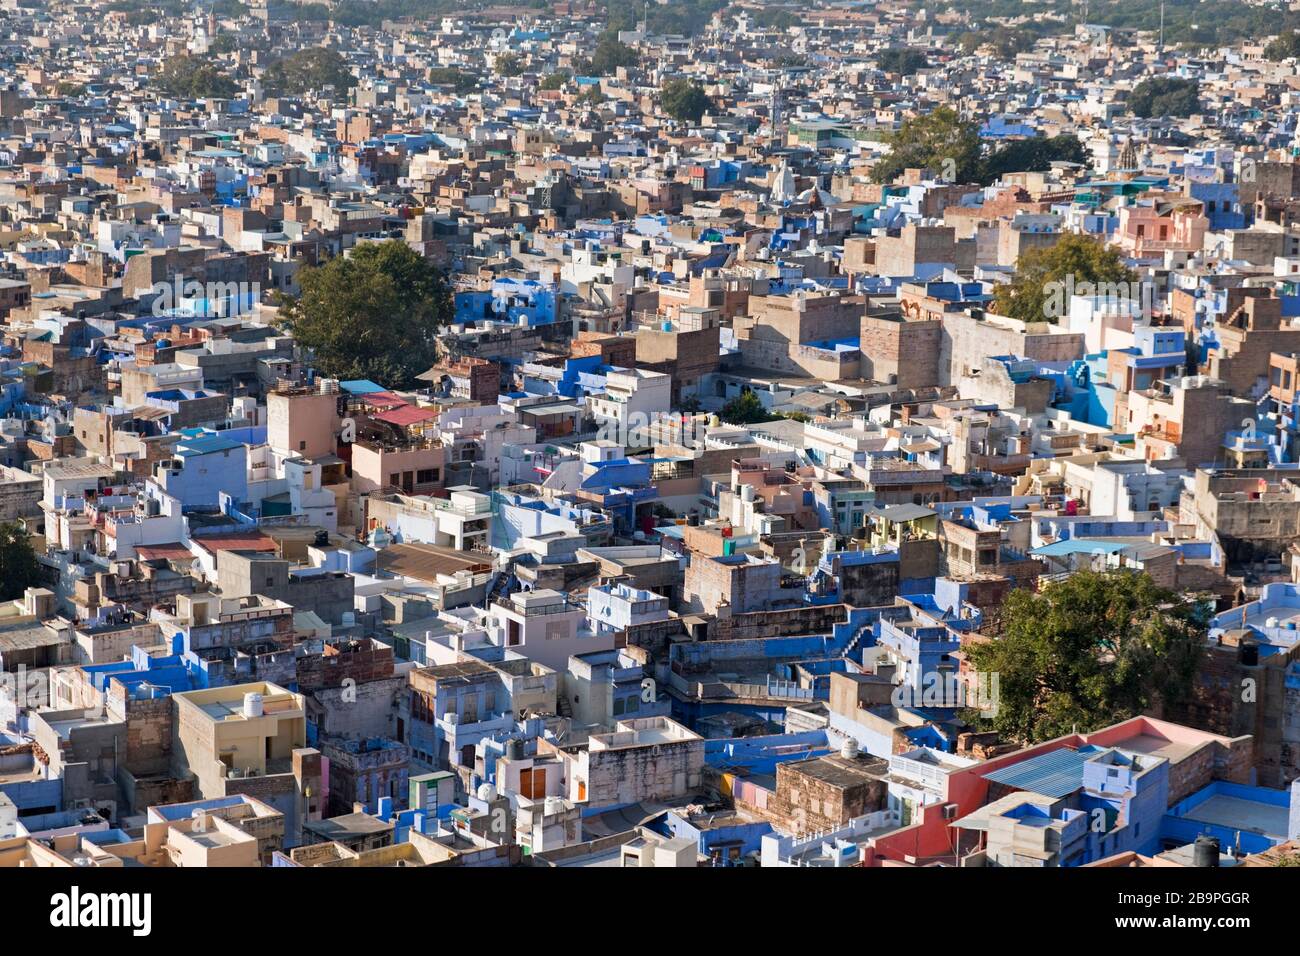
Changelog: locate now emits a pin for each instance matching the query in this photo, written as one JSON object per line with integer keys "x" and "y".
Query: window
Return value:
{"x": 426, "y": 476}
{"x": 302, "y": 445}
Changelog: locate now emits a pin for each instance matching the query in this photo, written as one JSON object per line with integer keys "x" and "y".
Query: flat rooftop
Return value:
{"x": 842, "y": 772}
{"x": 1237, "y": 813}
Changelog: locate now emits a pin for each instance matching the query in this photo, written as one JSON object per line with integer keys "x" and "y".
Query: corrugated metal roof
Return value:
{"x": 1054, "y": 774}
{"x": 1059, "y": 549}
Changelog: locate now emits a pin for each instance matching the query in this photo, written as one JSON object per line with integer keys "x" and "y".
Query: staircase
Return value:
{"x": 502, "y": 584}
{"x": 854, "y": 644}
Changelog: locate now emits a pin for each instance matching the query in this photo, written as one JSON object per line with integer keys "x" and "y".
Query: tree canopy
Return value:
{"x": 745, "y": 409}
{"x": 1283, "y": 47}
{"x": 950, "y": 146}
{"x": 374, "y": 313}
{"x": 682, "y": 17}
{"x": 608, "y": 56}
{"x": 1164, "y": 96}
{"x": 1185, "y": 22}
{"x": 19, "y": 569}
{"x": 308, "y": 70}
{"x": 940, "y": 140}
{"x": 450, "y": 76}
{"x": 509, "y": 64}
{"x": 1089, "y": 651}
{"x": 903, "y": 60}
{"x": 191, "y": 78}
{"x": 684, "y": 100}
{"x": 1035, "y": 153}
{"x": 1038, "y": 289}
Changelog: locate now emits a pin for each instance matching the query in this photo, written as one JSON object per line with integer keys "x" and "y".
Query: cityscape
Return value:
{"x": 677, "y": 434}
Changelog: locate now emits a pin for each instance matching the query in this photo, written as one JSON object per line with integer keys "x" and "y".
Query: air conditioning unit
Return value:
{"x": 950, "y": 811}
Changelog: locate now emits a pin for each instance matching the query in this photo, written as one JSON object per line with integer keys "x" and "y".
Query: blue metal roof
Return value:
{"x": 1055, "y": 774}
{"x": 205, "y": 446}
{"x": 360, "y": 386}
{"x": 1059, "y": 549}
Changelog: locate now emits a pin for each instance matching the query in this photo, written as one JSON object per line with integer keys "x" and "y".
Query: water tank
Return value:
{"x": 487, "y": 792}
{"x": 553, "y": 806}
{"x": 1205, "y": 852}
{"x": 515, "y": 749}
{"x": 849, "y": 749}
{"x": 253, "y": 705}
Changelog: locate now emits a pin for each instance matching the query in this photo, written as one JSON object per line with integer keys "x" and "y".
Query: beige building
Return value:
{"x": 249, "y": 739}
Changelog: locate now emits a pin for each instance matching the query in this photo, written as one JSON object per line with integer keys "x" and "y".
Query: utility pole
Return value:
{"x": 1162, "y": 27}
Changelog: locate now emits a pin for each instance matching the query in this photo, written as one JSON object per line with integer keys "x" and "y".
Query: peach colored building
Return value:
{"x": 414, "y": 469}
{"x": 1158, "y": 225}
{"x": 302, "y": 421}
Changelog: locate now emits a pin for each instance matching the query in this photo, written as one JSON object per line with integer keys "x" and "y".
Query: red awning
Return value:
{"x": 406, "y": 415}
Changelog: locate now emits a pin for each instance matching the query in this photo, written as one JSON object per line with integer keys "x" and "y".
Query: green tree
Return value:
{"x": 610, "y": 54}
{"x": 1007, "y": 42}
{"x": 1039, "y": 288}
{"x": 1283, "y": 47}
{"x": 450, "y": 76}
{"x": 940, "y": 140}
{"x": 684, "y": 100}
{"x": 1164, "y": 96}
{"x": 509, "y": 64}
{"x": 1033, "y": 154}
{"x": 745, "y": 409}
{"x": 774, "y": 18}
{"x": 308, "y": 70}
{"x": 554, "y": 81}
{"x": 901, "y": 60}
{"x": 191, "y": 78}
{"x": 19, "y": 569}
{"x": 1088, "y": 651}
{"x": 372, "y": 314}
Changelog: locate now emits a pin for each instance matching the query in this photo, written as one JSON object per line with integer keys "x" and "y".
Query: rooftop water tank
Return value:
{"x": 849, "y": 749}
{"x": 253, "y": 705}
{"x": 1205, "y": 852}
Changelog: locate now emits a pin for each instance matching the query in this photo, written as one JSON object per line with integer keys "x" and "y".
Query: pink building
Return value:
{"x": 1196, "y": 758}
{"x": 1157, "y": 225}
